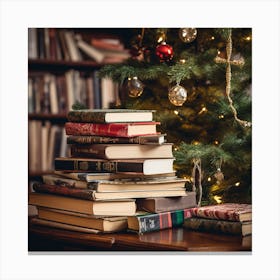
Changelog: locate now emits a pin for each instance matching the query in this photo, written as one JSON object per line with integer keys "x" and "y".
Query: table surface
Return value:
{"x": 42, "y": 238}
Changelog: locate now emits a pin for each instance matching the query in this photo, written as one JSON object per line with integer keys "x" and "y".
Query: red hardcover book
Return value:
{"x": 111, "y": 129}
{"x": 225, "y": 211}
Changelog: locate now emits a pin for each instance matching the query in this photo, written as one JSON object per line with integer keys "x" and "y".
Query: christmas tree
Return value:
{"x": 199, "y": 82}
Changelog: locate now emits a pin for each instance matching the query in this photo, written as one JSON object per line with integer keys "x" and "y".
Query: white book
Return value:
{"x": 74, "y": 52}
{"x": 107, "y": 93}
{"x": 70, "y": 88}
{"x": 53, "y": 95}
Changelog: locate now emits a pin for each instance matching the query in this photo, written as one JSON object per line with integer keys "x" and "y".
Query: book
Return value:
{"x": 117, "y": 185}
{"x": 92, "y": 177}
{"x": 99, "y": 208}
{"x": 111, "y": 129}
{"x": 226, "y": 211}
{"x": 73, "y": 49}
{"x": 136, "y": 166}
{"x": 219, "y": 226}
{"x": 110, "y": 115}
{"x": 43, "y": 222}
{"x": 103, "y": 224}
{"x": 165, "y": 204}
{"x": 154, "y": 139}
{"x": 122, "y": 151}
{"x": 91, "y": 194}
{"x": 143, "y": 222}
{"x": 107, "y": 43}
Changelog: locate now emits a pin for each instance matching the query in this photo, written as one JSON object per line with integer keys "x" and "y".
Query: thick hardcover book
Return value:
{"x": 165, "y": 204}
{"x": 100, "y": 208}
{"x": 92, "y": 194}
{"x": 219, "y": 226}
{"x": 111, "y": 129}
{"x": 139, "y": 166}
{"x": 122, "y": 151}
{"x": 226, "y": 211}
{"x": 147, "y": 222}
{"x": 110, "y": 115}
{"x": 103, "y": 224}
{"x": 156, "y": 139}
{"x": 53, "y": 179}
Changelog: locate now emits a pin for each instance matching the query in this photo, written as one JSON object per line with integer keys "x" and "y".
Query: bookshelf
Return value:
{"x": 60, "y": 74}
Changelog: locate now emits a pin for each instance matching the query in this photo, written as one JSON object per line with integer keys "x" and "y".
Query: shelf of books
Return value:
{"x": 63, "y": 66}
{"x": 118, "y": 176}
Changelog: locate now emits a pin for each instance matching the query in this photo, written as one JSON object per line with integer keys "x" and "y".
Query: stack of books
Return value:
{"x": 120, "y": 166}
{"x": 226, "y": 218}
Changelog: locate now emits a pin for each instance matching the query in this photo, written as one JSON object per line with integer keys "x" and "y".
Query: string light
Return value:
{"x": 195, "y": 142}
{"x": 221, "y": 116}
{"x": 216, "y": 142}
{"x": 248, "y": 38}
{"x": 218, "y": 199}
{"x": 203, "y": 109}
{"x": 237, "y": 184}
{"x": 176, "y": 112}
{"x": 209, "y": 179}
{"x": 212, "y": 38}
{"x": 182, "y": 61}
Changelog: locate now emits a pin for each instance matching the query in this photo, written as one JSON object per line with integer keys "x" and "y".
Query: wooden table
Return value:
{"x": 43, "y": 238}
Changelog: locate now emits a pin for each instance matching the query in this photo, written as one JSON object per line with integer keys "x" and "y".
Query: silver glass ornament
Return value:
{"x": 177, "y": 95}
{"x": 135, "y": 87}
{"x": 187, "y": 35}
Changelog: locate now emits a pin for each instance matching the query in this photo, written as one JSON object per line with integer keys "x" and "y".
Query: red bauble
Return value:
{"x": 164, "y": 52}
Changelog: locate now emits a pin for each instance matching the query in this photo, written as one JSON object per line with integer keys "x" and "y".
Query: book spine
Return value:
{"x": 79, "y": 116}
{"x": 87, "y": 151}
{"x": 217, "y": 226}
{"x": 76, "y": 165}
{"x": 114, "y": 129}
{"x": 96, "y": 139}
{"x": 64, "y": 190}
{"x": 154, "y": 222}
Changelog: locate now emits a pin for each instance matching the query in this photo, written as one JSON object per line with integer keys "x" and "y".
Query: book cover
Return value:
{"x": 122, "y": 151}
{"x": 226, "y": 211}
{"x": 218, "y": 226}
{"x": 157, "y": 139}
{"x": 99, "y": 208}
{"x": 165, "y": 204}
{"x": 111, "y": 129}
{"x": 92, "y": 194}
{"x": 110, "y": 115}
{"x": 104, "y": 224}
{"x": 148, "y": 222}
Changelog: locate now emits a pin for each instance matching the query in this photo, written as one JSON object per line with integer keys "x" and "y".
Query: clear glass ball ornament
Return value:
{"x": 187, "y": 35}
{"x": 135, "y": 87}
{"x": 177, "y": 95}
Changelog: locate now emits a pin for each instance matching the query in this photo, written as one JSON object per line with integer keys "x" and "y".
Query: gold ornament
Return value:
{"x": 187, "y": 35}
{"x": 177, "y": 95}
{"x": 135, "y": 87}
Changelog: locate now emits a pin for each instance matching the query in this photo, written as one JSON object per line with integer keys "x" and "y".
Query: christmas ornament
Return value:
{"x": 187, "y": 35}
{"x": 177, "y": 95}
{"x": 135, "y": 87}
{"x": 164, "y": 52}
{"x": 219, "y": 174}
